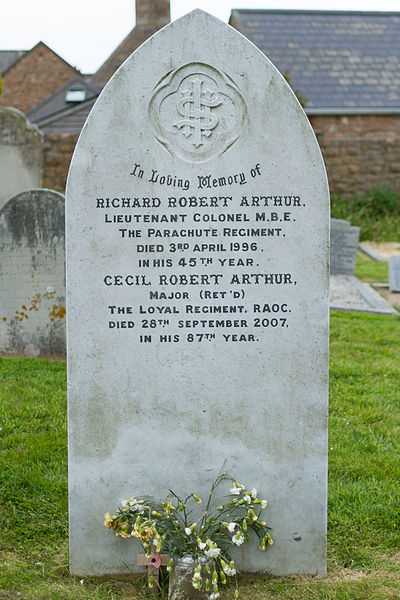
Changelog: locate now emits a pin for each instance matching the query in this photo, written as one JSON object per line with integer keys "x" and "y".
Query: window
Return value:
{"x": 75, "y": 95}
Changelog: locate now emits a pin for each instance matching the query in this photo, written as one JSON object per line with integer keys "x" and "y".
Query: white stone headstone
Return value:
{"x": 32, "y": 274}
{"x": 197, "y": 284}
{"x": 21, "y": 154}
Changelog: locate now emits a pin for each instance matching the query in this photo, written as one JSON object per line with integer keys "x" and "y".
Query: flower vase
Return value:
{"x": 180, "y": 579}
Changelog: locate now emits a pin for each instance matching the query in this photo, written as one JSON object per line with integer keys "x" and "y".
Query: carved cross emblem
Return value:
{"x": 197, "y": 112}
{"x": 195, "y": 106}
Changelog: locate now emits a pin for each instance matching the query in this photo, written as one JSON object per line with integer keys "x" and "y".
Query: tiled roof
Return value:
{"x": 132, "y": 41}
{"x": 9, "y": 57}
{"x": 336, "y": 59}
{"x": 70, "y": 120}
{"x": 56, "y": 115}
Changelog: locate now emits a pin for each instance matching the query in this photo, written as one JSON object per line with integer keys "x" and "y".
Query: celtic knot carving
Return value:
{"x": 197, "y": 112}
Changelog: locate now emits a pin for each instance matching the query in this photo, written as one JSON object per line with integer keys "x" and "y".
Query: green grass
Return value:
{"x": 370, "y": 270}
{"x": 376, "y": 213}
{"x": 364, "y": 475}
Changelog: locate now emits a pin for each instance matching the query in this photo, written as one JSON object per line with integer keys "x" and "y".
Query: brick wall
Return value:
{"x": 152, "y": 13}
{"x": 361, "y": 152}
{"x": 57, "y": 153}
{"x": 34, "y": 77}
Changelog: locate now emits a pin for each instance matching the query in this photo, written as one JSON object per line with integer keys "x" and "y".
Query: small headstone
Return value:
{"x": 344, "y": 244}
{"x": 394, "y": 273}
{"x": 32, "y": 279}
{"x": 197, "y": 230}
{"x": 21, "y": 150}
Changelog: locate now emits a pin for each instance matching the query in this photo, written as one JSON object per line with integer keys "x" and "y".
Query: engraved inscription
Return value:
{"x": 197, "y": 112}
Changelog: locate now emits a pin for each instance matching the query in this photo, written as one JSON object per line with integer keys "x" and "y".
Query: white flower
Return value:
{"x": 247, "y": 499}
{"x": 263, "y": 504}
{"x": 202, "y": 545}
{"x": 236, "y": 488}
{"x": 238, "y": 539}
{"x": 212, "y": 552}
{"x": 125, "y": 503}
{"x": 228, "y": 570}
{"x": 196, "y": 575}
{"x": 214, "y": 596}
{"x": 253, "y": 493}
{"x": 158, "y": 544}
{"x": 231, "y": 527}
{"x": 188, "y": 531}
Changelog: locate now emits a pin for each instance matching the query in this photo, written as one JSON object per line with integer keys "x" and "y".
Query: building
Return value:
{"x": 62, "y": 114}
{"x": 345, "y": 67}
{"x": 30, "y": 76}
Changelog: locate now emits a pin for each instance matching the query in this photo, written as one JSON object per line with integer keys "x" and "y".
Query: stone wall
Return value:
{"x": 57, "y": 154}
{"x": 361, "y": 152}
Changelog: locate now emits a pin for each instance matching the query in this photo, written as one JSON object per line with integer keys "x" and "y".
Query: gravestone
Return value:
{"x": 21, "y": 150}
{"x": 197, "y": 285}
{"x": 394, "y": 273}
{"x": 32, "y": 275}
{"x": 344, "y": 243}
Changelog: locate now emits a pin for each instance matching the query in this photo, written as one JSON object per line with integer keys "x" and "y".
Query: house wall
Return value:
{"x": 57, "y": 153}
{"x": 34, "y": 77}
{"x": 361, "y": 152}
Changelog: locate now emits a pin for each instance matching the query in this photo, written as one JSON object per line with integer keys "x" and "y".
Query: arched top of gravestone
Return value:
{"x": 195, "y": 91}
{"x": 12, "y": 117}
{"x": 35, "y": 217}
{"x": 21, "y": 154}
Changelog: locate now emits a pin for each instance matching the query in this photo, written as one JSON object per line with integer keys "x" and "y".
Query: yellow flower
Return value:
{"x": 123, "y": 534}
{"x": 108, "y": 521}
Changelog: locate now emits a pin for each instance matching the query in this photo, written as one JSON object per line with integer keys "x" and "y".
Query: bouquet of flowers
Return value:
{"x": 168, "y": 526}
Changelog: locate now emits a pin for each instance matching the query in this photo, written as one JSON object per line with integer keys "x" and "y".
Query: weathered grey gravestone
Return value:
{"x": 32, "y": 279}
{"x": 344, "y": 244}
{"x": 197, "y": 284}
{"x": 394, "y": 273}
{"x": 20, "y": 154}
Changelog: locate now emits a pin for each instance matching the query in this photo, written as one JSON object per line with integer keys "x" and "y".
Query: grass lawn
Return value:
{"x": 364, "y": 475}
{"x": 371, "y": 271}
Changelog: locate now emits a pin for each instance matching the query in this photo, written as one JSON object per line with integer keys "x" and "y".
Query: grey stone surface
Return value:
{"x": 32, "y": 279}
{"x": 371, "y": 252}
{"x": 349, "y": 294}
{"x": 394, "y": 273}
{"x": 21, "y": 150}
{"x": 344, "y": 243}
{"x": 197, "y": 283}
{"x": 339, "y": 223}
